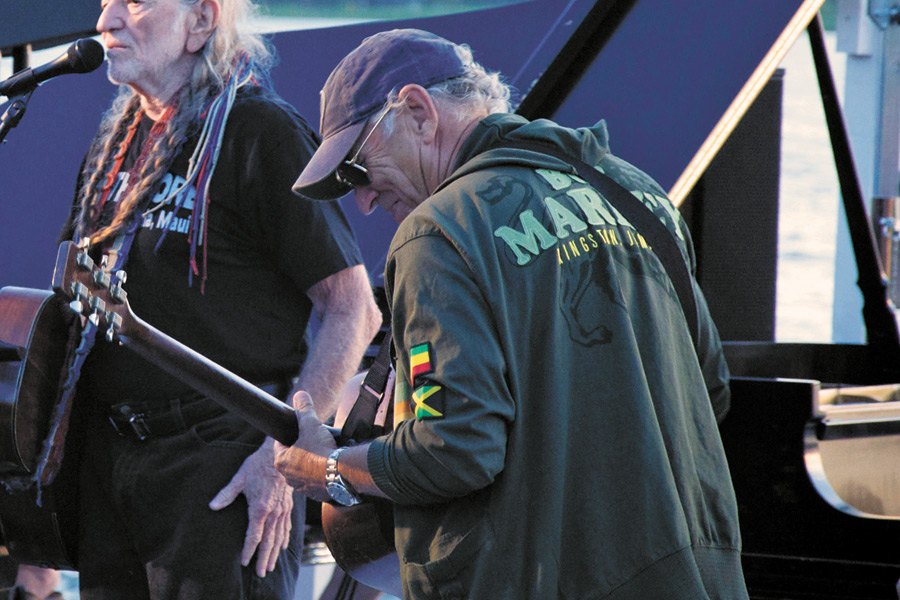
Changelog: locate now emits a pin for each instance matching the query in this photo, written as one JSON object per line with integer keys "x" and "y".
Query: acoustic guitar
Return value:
{"x": 38, "y": 323}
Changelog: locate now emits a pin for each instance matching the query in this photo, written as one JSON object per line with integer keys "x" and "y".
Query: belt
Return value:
{"x": 142, "y": 420}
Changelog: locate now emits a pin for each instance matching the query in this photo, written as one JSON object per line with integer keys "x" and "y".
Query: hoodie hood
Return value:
{"x": 483, "y": 148}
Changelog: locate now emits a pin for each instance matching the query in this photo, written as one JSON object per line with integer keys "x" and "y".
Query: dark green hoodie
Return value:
{"x": 563, "y": 441}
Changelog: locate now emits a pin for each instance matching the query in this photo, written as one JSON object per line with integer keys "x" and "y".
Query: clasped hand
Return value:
{"x": 303, "y": 464}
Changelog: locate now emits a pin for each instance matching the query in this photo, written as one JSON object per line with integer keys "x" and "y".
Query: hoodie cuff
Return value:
{"x": 377, "y": 462}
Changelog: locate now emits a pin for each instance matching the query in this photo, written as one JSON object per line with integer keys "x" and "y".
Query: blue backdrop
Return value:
{"x": 662, "y": 82}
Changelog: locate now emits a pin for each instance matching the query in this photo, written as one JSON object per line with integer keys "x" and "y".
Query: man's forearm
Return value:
{"x": 350, "y": 319}
{"x": 334, "y": 358}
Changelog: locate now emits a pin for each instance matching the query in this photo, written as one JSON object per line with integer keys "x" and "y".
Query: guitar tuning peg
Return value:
{"x": 117, "y": 294}
{"x": 113, "y": 324}
{"x": 94, "y": 318}
{"x": 84, "y": 261}
{"x": 97, "y": 304}
{"x": 101, "y": 279}
{"x": 78, "y": 292}
{"x": 113, "y": 321}
{"x": 121, "y": 276}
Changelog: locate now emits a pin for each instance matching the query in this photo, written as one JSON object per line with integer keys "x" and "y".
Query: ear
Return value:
{"x": 202, "y": 23}
{"x": 422, "y": 109}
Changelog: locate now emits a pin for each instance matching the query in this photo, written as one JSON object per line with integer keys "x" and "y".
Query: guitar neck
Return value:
{"x": 258, "y": 408}
{"x": 94, "y": 292}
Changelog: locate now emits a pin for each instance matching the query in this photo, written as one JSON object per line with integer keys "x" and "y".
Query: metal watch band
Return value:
{"x": 339, "y": 490}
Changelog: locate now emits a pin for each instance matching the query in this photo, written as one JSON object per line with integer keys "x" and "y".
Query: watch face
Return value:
{"x": 340, "y": 494}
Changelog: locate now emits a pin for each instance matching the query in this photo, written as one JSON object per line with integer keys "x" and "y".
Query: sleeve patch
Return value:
{"x": 429, "y": 402}
{"x": 420, "y": 361}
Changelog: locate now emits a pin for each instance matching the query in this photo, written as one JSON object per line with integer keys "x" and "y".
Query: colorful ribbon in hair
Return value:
{"x": 203, "y": 162}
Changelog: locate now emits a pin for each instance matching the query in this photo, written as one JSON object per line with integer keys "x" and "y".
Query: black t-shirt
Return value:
{"x": 266, "y": 247}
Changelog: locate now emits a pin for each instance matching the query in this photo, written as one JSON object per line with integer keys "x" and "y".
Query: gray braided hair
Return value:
{"x": 229, "y": 40}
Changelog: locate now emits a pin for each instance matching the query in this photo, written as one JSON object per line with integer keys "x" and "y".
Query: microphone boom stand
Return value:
{"x": 13, "y": 114}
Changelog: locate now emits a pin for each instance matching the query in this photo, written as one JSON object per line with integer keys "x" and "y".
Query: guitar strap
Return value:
{"x": 661, "y": 240}
{"x": 52, "y": 450}
{"x": 51, "y": 456}
{"x": 363, "y": 422}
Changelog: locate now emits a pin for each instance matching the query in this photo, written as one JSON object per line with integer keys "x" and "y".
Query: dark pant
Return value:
{"x": 146, "y": 531}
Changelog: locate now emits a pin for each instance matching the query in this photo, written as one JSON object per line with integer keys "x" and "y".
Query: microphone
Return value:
{"x": 83, "y": 56}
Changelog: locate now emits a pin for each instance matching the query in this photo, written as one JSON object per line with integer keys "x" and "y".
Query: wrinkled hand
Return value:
{"x": 269, "y": 503}
{"x": 303, "y": 464}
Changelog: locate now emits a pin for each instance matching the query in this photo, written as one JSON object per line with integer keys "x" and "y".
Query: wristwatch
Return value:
{"x": 339, "y": 490}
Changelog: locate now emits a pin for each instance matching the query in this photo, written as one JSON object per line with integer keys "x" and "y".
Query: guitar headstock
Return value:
{"x": 91, "y": 290}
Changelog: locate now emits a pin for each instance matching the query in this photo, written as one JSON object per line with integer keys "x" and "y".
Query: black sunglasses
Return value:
{"x": 352, "y": 173}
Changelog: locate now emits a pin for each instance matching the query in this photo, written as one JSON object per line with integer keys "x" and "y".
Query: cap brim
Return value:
{"x": 318, "y": 180}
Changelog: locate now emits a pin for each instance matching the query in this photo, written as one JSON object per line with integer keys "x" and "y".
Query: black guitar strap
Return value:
{"x": 360, "y": 424}
{"x": 638, "y": 214}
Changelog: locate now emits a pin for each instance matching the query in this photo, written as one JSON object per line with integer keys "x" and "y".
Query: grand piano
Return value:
{"x": 691, "y": 92}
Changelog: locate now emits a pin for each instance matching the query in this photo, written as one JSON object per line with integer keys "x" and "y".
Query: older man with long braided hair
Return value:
{"x": 186, "y": 188}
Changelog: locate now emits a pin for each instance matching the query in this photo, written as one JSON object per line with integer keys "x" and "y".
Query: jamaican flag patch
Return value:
{"x": 428, "y": 402}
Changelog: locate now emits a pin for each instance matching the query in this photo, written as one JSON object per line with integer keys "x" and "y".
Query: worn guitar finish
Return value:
{"x": 360, "y": 538}
{"x": 38, "y": 324}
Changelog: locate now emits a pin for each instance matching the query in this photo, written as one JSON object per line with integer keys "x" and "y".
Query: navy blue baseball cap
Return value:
{"x": 359, "y": 87}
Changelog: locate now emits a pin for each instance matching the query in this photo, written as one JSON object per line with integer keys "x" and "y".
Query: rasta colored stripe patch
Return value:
{"x": 429, "y": 401}
{"x": 420, "y": 361}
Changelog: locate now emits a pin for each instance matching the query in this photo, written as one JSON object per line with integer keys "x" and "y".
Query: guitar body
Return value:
{"x": 361, "y": 537}
{"x": 361, "y": 540}
{"x": 37, "y": 323}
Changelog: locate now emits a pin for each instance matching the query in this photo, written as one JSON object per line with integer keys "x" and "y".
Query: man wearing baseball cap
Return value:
{"x": 556, "y": 428}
